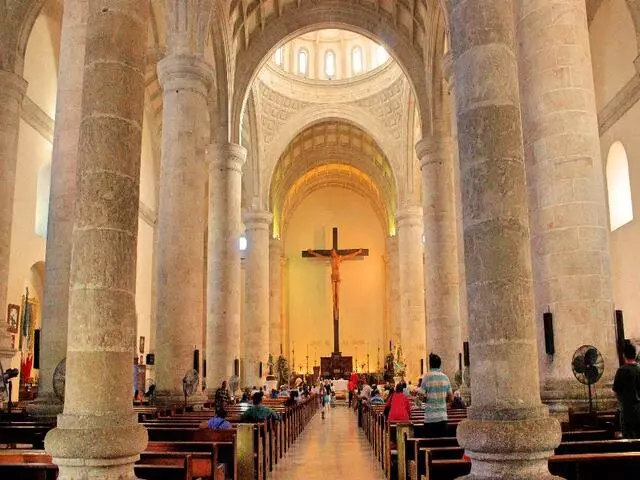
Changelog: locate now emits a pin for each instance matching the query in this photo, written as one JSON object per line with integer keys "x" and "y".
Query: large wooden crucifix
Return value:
{"x": 336, "y": 256}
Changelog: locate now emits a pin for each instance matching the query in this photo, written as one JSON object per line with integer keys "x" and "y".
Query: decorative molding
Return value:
{"x": 620, "y": 104}
{"x": 147, "y": 214}
{"x": 37, "y": 118}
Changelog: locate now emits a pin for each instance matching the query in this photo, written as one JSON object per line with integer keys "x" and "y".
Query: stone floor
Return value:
{"x": 332, "y": 448}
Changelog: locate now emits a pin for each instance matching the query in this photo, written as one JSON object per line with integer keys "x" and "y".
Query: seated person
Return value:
{"x": 376, "y": 399}
{"x": 399, "y": 406}
{"x": 292, "y": 400}
{"x": 274, "y": 393}
{"x": 246, "y": 394}
{"x": 458, "y": 401}
{"x": 218, "y": 421}
{"x": 257, "y": 412}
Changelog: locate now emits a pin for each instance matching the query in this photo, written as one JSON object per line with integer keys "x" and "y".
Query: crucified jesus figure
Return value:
{"x": 336, "y": 259}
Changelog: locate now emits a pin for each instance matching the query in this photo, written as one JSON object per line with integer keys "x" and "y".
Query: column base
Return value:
{"x": 514, "y": 449}
{"x": 45, "y": 405}
{"x": 560, "y": 395}
{"x": 96, "y": 447}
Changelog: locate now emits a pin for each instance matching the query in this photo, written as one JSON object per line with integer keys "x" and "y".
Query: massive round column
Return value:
{"x": 509, "y": 433}
{"x": 572, "y": 265}
{"x": 185, "y": 80}
{"x": 53, "y": 341}
{"x": 393, "y": 292}
{"x": 98, "y": 434}
{"x": 441, "y": 250}
{"x": 223, "y": 263}
{"x": 275, "y": 298}
{"x": 256, "y": 317}
{"x": 413, "y": 334}
{"x": 12, "y": 90}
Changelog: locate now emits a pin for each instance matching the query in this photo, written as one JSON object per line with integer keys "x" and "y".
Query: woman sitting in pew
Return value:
{"x": 218, "y": 422}
{"x": 398, "y": 405}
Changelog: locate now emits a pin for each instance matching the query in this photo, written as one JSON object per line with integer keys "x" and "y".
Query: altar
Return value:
{"x": 336, "y": 366}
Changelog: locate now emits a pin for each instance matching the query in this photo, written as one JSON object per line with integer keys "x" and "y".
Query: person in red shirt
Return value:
{"x": 399, "y": 406}
{"x": 351, "y": 386}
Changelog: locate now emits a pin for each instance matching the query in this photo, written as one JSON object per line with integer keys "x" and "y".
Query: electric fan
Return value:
{"x": 59, "y": 379}
{"x": 466, "y": 376}
{"x": 234, "y": 383}
{"x": 588, "y": 366}
{"x": 190, "y": 383}
{"x": 5, "y": 385}
{"x": 150, "y": 390}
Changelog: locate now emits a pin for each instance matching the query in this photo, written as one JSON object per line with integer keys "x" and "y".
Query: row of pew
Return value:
{"x": 177, "y": 448}
{"x": 589, "y": 450}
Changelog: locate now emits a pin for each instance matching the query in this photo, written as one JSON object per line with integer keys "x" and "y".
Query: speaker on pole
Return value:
{"x": 204, "y": 368}
{"x": 549, "y": 343}
{"x": 422, "y": 366}
{"x": 465, "y": 350}
{"x": 260, "y": 370}
{"x": 620, "y": 336}
{"x": 460, "y": 362}
{"x": 36, "y": 348}
{"x": 236, "y": 367}
{"x": 196, "y": 360}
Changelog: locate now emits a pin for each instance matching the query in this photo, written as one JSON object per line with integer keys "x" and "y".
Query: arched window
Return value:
{"x": 330, "y": 64}
{"x": 356, "y": 60}
{"x": 242, "y": 244}
{"x": 381, "y": 55}
{"x": 42, "y": 199}
{"x": 278, "y": 57}
{"x": 619, "y": 186}
{"x": 303, "y": 62}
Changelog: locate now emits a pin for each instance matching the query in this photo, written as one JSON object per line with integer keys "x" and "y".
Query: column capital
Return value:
{"x": 12, "y": 85}
{"x": 409, "y": 215}
{"x": 436, "y": 146}
{"x": 256, "y": 219}
{"x": 185, "y": 72}
{"x": 226, "y": 155}
{"x": 275, "y": 244}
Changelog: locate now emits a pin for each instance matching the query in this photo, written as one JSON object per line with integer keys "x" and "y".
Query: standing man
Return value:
{"x": 437, "y": 391}
{"x": 221, "y": 397}
{"x": 626, "y": 386}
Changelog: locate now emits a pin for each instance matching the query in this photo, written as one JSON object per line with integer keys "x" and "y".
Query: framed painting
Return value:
{"x": 13, "y": 317}
{"x": 141, "y": 346}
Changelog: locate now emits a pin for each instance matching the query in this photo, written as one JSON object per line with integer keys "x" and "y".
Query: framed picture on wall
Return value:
{"x": 141, "y": 346}
{"x": 13, "y": 317}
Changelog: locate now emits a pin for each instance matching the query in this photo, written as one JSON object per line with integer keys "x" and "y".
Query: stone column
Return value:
{"x": 185, "y": 81}
{"x": 441, "y": 250}
{"x": 284, "y": 321}
{"x": 256, "y": 318}
{"x": 393, "y": 292}
{"x": 53, "y": 340}
{"x": 413, "y": 335}
{"x": 98, "y": 434}
{"x": 12, "y": 90}
{"x": 509, "y": 433}
{"x": 569, "y": 226}
{"x": 275, "y": 298}
{"x": 223, "y": 292}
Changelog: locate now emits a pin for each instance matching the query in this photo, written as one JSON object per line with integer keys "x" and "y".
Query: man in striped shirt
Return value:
{"x": 436, "y": 388}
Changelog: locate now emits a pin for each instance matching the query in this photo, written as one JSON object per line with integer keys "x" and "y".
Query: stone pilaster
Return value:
{"x": 569, "y": 225}
{"x": 413, "y": 334}
{"x": 393, "y": 292}
{"x": 275, "y": 298}
{"x": 509, "y": 433}
{"x": 223, "y": 278}
{"x": 256, "y": 319}
{"x": 98, "y": 434}
{"x": 441, "y": 250}
{"x": 12, "y": 90}
{"x": 53, "y": 343}
{"x": 185, "y": 81}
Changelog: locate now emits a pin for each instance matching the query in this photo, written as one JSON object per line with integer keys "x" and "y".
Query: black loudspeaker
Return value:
{"x": 196, "y": 360}
{"x": 460, "y": 362}
{"x": 204, "y": 367}
{"x": 619, "y": 336}
{"x": 36, "y": 348}
{"x": 236, "y": 367}
{"x": 465, "y": 350}
{"x": 260, "y": 370}
{"x": 151, "y": 358}
{"x": 549, "y": 344}
{"x": 422, "y": 366}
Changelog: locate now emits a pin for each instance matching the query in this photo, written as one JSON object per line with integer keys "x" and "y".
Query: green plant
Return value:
{"x": 283, "y": 370}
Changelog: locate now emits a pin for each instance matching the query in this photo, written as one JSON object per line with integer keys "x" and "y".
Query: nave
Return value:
{"x": 333, "y": 447}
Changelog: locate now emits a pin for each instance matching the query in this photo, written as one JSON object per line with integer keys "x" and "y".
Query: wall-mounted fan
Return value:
{"x": 190, "y": 383}
{"x": 234, "y": 384}
{"x": 5, "y": 385}
{"x": 588, "y": 366}
{"x": 59, "y": 375}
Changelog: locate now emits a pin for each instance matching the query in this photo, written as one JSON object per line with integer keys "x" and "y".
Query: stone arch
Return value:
{"x": 331, "y": 14}
{"x": 305, "y": 118}
{"x": 634, "y": 10}
{"x": 15, "y": 31}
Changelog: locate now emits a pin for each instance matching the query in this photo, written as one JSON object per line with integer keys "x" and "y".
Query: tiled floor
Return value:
{"x": 330, "y": 449}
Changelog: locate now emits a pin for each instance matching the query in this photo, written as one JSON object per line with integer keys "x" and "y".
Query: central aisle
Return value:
{"x": 329, "y": 449}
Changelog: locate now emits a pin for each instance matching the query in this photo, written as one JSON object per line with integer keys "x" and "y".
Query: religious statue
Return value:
{"x": 399, "y": 365}
{"x": 336, "y": 259}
